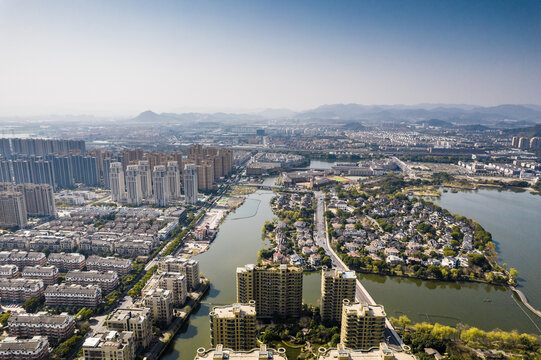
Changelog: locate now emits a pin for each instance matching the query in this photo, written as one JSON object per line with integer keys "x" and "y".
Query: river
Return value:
{"x": 484, "y": 306}
{"x": 237, "y": 244}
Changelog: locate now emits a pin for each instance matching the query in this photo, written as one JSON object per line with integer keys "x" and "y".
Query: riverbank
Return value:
{"x": 182, "y": 317}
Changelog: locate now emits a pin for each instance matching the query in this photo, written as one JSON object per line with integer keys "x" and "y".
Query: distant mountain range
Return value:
{"x": 455, "y": 114}
{"x": 347, "y": 115}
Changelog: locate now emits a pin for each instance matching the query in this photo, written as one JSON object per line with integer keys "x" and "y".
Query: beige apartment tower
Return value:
{"x": 191, "y": 184}
{"x": 176, "y": 284}
{"x": 159, "y": 186}
{"x": 173, "y": 179}
{"x": 363, "y": 325}
{"x": 134, "y": 191}
{"x": 336, "y": 286}
{"x": 12, "y": 209}
{"x": 110, "y": 345}
{"x": 234, "y": 326}
{"x": 187, "y": 267}
{"x": 277, "y": 291}
{"x": 136, "y": 320}
{"x": 160, "y": 303}
{"x": 39, "y": 199}
{"x": 116, "y": 179}
{"x": 146, "y": 179}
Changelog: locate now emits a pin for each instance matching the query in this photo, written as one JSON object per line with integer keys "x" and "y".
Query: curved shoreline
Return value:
{"x": 525, "y": 301}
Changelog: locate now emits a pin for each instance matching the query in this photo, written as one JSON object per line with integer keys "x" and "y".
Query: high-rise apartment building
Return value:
{"x": 63, "y": 171}
{"x": 234, "y": 326}
{"x": 134, "y": 192}
{"x": 222, "y": 353}
{"x": 336, "y": 286}
{"x": 190, "y": 184}
{"x": 363, "y": 325}
{"x": 39, "y": 199}
{"x": 118, "y": 189}
{"x": 42, "y": 147}
{"x": 5, "y": 148}
{"x": 382, "y": 352}
{"x": 176, "y": 283}
{"x": 146, "y": 179}
{"x": 21, "y": 171}
{"x": 161, "y": 190}
{"x": 187, "y": 267}
{"x": 205, "y": 174}
{"x": 173, "y": 179}
{"x": 136, "y": 320}
{"x": 110, "y": 345}
{"x": 85, "y": 169}
{"x": 277, "y": 291}
{"x": 160, "y": 303}
{"x": 6, "y": 174}
{"x": 12, "y": 209}
{"x": 106, "y": 173}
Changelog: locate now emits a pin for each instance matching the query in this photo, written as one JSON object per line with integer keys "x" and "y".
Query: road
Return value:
{"x": 321, "y": 237}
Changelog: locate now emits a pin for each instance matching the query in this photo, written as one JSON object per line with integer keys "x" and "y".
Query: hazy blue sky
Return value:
{"x": 123, "y": 57}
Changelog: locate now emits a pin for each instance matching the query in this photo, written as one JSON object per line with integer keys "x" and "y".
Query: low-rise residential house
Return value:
{"x": 9, "y": 271}
{"x": 449, "y": 261}
{"x": 107, "y": 281}
{"x": 65, "y": 262}
{"x": 48, "y": 274}
{"x": 22, "y": 258}
{"x": 20, "y": 290}
{"x": 36, "y": 348}
{"x": 393, "y": 259}
{"x": 118, "y": 265}
{"x": 55, "y": 327}
{"x": 73, "y": 295}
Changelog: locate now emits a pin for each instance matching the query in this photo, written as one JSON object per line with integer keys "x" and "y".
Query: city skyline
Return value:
{"x": 119, "y": 59}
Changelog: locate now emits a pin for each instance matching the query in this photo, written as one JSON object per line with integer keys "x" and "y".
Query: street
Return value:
{"x": 321, "y": 238}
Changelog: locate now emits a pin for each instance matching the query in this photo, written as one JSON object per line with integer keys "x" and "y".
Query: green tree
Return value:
{"x": 4, "y": 318}
{"x": 473, "y": 334}
{"x": 335, "y": 340}
{"x": 404, "y": 321}
{"x": 443, "y": 332}
{"x": 32, "y": 305}
{"x": 447, "y": 251}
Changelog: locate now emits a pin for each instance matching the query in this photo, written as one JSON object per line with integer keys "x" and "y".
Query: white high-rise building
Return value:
{"x": 190, "y": 184}
{"x": 146, "y": 179}
{"x": 116, "y": 179}
{"x": 173, "y": 179}
{"x": 161, "y": 190}
{"x": 134, "y": 193}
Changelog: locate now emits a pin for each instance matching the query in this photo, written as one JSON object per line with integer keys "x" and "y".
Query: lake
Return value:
{"x": 484, "y": 306}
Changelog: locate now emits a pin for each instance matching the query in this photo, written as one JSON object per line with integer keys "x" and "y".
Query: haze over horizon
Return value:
{"x": 122, "y": 58}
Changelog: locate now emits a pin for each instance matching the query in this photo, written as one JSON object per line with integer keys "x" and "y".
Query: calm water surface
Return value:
{"x": 514, "y": 220}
